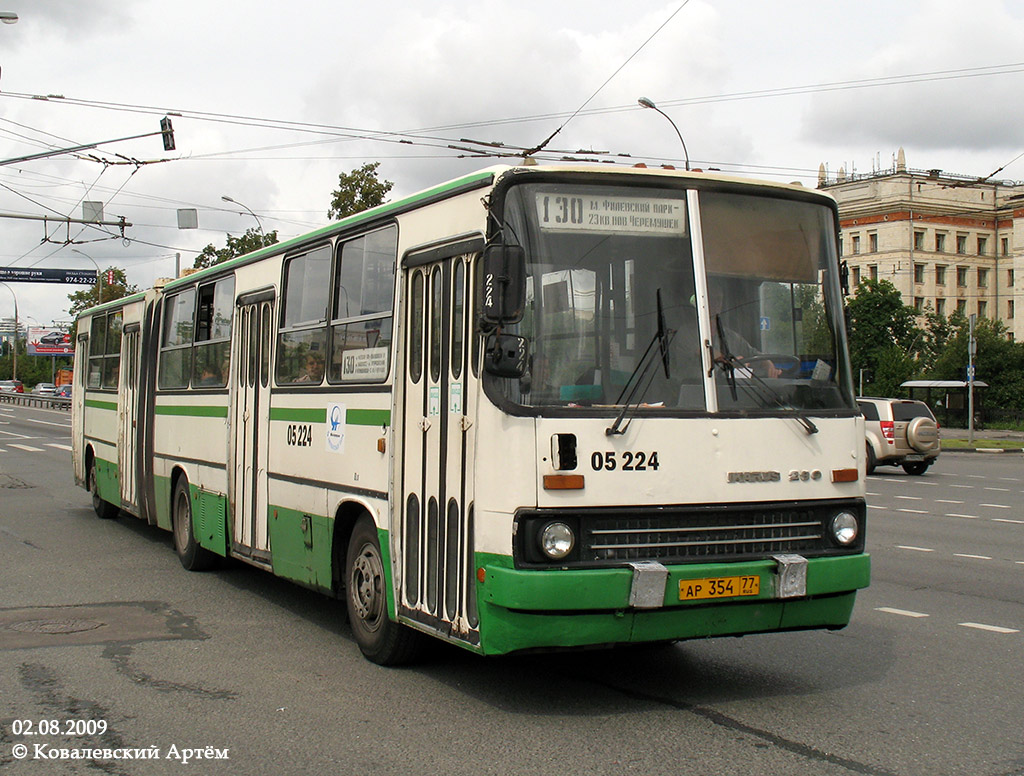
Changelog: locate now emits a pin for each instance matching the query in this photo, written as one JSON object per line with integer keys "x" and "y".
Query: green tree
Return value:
{"x": 252, "y": 240}
{"x": 103, "y": 291}
{"x": 357, "y": 191}
{"x": 881, "y": 328}
{"x": 999, "y": 361}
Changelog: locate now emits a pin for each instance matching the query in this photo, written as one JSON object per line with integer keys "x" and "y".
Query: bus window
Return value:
{"x": 97, "y": 332}
{"x": 112, "y": 351}
{"x": 363, "y": 300}
{"x": 416, "y": 328}
{"x": 176, "y": 347}
{"x": 213, "y": 334}
{"x": 302, "y": 341}
{"x": 458, "y": 317}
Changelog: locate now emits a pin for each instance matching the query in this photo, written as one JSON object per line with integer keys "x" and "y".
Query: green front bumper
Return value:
{"x": 524, "y": 609}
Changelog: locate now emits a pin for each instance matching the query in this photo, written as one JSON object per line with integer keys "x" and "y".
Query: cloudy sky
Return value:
{"x": 273, "y": 100}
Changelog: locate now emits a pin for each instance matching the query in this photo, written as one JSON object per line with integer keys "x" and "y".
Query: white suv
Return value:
{"x": 900, "y": 432}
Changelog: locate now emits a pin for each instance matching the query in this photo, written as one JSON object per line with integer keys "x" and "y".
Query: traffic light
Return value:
{"x": 168, "y": 133}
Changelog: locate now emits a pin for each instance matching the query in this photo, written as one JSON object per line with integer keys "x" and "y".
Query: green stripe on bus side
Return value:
{"x": 354, "y": 417}
{"x": 199, "y": 411}
{"x": 369, "y": 417}
{"x": 96, "y": 404}
{"x": 298, "y": 414}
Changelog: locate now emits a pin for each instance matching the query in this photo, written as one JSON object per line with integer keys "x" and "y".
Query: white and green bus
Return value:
{"x": 534, "y": 407}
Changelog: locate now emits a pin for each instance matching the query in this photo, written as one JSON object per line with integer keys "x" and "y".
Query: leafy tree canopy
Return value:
{"x": 357, "y": 191}
{"x": 252, "y": 240}
{"x": 878, "y": 319}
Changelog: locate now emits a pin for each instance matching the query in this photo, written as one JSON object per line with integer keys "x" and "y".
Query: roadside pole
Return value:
{"x": 972, "y": 348}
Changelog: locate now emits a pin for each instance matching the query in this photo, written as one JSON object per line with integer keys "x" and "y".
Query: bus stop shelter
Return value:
{"x": 947, "y": 399}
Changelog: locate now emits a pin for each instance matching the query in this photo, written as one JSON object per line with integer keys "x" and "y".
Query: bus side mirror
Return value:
{"x": 506, "y": 355}
{"x": 502, "y": 284}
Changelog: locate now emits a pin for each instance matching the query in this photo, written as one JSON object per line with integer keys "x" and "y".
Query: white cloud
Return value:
{"x": 396, "y": 65}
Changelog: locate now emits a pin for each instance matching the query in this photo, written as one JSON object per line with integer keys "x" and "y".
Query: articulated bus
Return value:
{"x": 536, "y": 407}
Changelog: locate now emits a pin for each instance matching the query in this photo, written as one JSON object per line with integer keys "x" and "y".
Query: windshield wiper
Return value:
{"x": 662, "y": 338}
{"x": 727, "y": 360}
{"x": 767, "y": 393}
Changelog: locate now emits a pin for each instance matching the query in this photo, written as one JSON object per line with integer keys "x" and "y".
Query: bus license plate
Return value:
{"x": 718, "y": 587}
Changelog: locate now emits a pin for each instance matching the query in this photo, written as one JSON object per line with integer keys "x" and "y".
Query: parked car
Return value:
{"x": 44, "y": 389}
{"x": 900, "y": 432}
{"x": 11, "y": 386}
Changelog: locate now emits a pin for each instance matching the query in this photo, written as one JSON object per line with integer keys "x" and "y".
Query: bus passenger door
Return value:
{"x": 250, "y": 428}
{"x": 127, "y": 416}
{"x": 433, "y": 547}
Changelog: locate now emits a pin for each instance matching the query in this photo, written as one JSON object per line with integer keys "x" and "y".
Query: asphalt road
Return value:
{"x": 99, "y": 622}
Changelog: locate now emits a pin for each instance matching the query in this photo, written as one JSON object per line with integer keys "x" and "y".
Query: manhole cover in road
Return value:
{"x": 55, "y": 626}
{"x": 104, "y": 623}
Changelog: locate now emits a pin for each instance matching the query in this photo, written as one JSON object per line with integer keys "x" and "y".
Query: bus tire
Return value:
{"x": 192, "y": 556}
{"x": 380, "y": 639}
{"x": 104, "y": 509}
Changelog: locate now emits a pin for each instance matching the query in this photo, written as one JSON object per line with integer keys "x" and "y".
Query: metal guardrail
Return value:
{"x": 34, "y": 400}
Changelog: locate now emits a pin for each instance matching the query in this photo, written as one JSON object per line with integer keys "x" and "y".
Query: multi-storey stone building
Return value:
{"x": 947, "y": 242}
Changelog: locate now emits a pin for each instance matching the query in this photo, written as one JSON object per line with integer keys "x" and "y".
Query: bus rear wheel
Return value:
{"x": 103, "y": 509}
{"x": 380, "y": 639}
{"x": 192, "y": 556}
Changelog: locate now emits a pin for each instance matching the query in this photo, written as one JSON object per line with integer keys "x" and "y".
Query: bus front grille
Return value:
{"x": 697, "y": 536}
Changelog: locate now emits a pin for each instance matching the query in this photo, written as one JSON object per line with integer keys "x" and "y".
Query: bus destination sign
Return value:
{"x": 582, "y": 212}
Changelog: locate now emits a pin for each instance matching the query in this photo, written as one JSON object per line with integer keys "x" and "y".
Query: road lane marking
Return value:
{"x": 900, "y": 612}
{"x": 59, "y": 447}
{"x": 947, "y": 501}
{"x": 973, "y": 557}
{"x": 989, "y": 628}
{"x": 915, "y": 549}
{"x": 1007, "y": 520}
{"x": 910, "y": 498}
{"x": 966, "y": 517}
{"x": 914, "y": 511}
{"x": 1000, "y": 490}
{"x": 996, "y": 506}
{"x": 48, "y": 422}
{"x": 969, "y": 487}
{"x": 26, "y": 448}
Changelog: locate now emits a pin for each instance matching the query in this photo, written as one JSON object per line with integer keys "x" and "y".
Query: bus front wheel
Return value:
{"x": 380, "y": 639}
{"x": 190, "y": 553}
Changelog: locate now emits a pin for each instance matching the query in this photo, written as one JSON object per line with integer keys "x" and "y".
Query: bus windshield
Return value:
{"x": 619, "y": 295}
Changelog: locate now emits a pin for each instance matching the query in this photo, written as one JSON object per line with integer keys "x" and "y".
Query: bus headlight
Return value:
{"x": 845, "y": 528}
{"x": 557, "y": 540}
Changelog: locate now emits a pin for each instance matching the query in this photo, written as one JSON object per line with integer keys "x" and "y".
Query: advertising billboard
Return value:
{"x": 49, "y": 342}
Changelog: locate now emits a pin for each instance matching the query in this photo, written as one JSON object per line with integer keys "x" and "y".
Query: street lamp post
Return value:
{"x": 646, "y": 103}
{"x": 14, "y": 357}
{"x": 8, "y": 17}
{"x": 99, "y": 275}
{"x": 259, "y": 225}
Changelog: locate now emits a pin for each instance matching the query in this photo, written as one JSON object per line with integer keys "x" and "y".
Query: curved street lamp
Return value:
{"x": 8, "y": 17}
{"x": 646, "y": 103}
{"x": 99, "y": 275}
{"x": 226, "y": 198}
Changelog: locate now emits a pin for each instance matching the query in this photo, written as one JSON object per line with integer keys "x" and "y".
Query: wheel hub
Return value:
{"x": 367, "y": 573}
